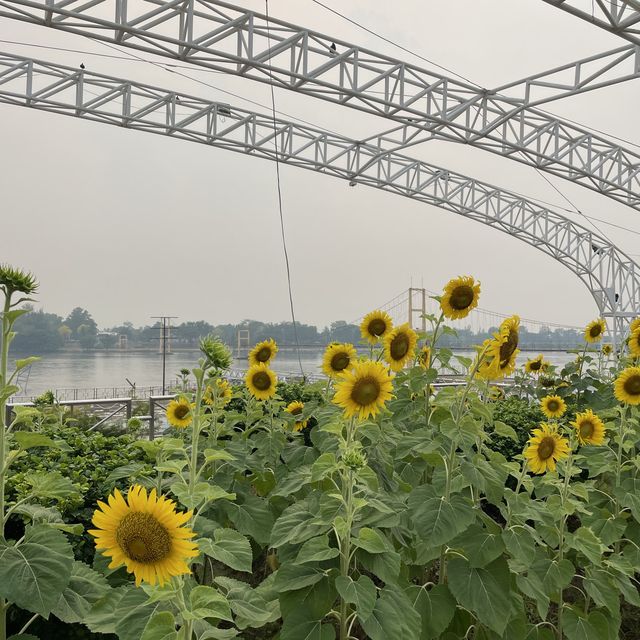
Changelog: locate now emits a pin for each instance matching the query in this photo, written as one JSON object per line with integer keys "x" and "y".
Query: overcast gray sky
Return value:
{"x": 130, "y": 225}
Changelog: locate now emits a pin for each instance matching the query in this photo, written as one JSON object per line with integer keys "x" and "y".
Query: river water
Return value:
{"x": 89, "y": 370}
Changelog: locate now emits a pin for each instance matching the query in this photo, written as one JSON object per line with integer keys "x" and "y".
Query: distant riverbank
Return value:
{"x": 90, "y": 369}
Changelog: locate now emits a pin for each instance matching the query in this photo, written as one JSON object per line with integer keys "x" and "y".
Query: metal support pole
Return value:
{"x": 152, "y": 418}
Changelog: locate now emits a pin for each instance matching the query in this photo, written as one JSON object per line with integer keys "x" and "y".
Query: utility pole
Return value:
{"x": 165, "y": 334}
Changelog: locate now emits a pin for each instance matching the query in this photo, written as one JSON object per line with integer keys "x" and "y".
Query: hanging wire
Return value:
{"x": 282, "y": 231}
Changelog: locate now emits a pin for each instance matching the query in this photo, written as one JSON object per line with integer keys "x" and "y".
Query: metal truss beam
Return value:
{"x": 621, "y": 17}
{"x": 426, "y": 105}
{"x": 612, "y": 277}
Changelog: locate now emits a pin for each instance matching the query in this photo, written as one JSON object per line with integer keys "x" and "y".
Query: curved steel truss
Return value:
{"x": 425, "y": 104}
{"x": 611, "y": 276}
{"x": 621, "y": 17}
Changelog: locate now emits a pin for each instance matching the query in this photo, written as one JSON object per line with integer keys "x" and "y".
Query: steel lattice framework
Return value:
{"x": 621, "y": 17}
{"x": 611, "y": 276}
{"x": 425, "y": 104}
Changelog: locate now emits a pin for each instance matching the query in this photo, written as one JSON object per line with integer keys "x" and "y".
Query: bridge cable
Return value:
{"x": 284, "y": 239}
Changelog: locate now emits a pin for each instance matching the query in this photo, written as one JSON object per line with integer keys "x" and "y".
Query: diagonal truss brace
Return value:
{"x": 621, "y": 17}
{"x": 612, "y": 277}
{"x": 220, "y": 36}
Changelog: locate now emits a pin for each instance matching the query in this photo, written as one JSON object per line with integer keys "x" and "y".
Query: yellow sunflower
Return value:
{"x": 595, "y": 330}
{"x": 634, "y": 343}
{"x": 338, "y": 358}
{"x": 146, "y": 534}
{"x": 180, "y": 413}
{"x": 553, "y": 406}
{"x": 264, "y": 351}
{"x": 375, "y": 326}
{"x": 424, "y": 357}
{"x": 626, "y": 388}
{"x": 635, "y": 324}
{"x": 261, "y": 381}
{"x": 363, "y": 390}
{"x": 503, "y": 349}
{"x": 536, "y": 365}
{"x": 295, "y": 408}
{"x": 460, "y": 297}
{"x": 400, "y": 346}
{"x": 589, "y": 428}
{"x": 219, "y": 393}
{"x": 546, "y": 447}
{"x": 607, "y": 349}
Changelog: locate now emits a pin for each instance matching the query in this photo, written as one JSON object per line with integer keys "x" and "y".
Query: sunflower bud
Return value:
{"x": 13, "y": 280}
{"x": 354, "y": 459}
{"x": 217, "y": 354}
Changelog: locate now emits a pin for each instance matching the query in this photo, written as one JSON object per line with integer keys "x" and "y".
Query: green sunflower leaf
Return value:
{"x": 85, "y": 588}
{"x": 161, "y": 626}
{"x": 484, "y": 591}
{"x": 230, "y": 548}
{"x": 33, "y": 574}
{"x": 437, "y": 519}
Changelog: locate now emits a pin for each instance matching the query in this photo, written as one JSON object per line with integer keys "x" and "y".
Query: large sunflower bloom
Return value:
{"x": 553, "y": 406}
{"x": 634, "y": 343}
{"x": 261, "y": 381}
{"x": 295, "y": 408}
{"x": 399, "y": 346}
{"x": 146, "y": 534}
{"x": 180, "y": 413}
{"x": 338, "y": 358}
{"x": 375, "y": 326}
{"x": 536, "y": 365}
{"x": 595, "y": 330}
{"x": 626, "y": 388}
{"x": 635, "y": 324}
{"x": 589, "y": 428}
{"x": 460, "y": 297}
{"x": 546, "y": 447}
{"x": 264, "y": 351}
{"x": 503, "y": 349}
{"x": 363, "y": 390}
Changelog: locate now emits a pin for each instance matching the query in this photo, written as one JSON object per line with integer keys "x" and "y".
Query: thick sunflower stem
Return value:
{"x": 4, "y": 359}
{"x": 584, "y": 354}
{"x": 3, "y": 619}
{"x": 195, "y": 436}
{"x": 623, "y": 427}
{"x": 561, "y": 532}
{"x": 345, "y": 545}
{"x": 432, "y": 346}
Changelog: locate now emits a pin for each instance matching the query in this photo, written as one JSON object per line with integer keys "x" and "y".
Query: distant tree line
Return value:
{"x": 40, "y": 332}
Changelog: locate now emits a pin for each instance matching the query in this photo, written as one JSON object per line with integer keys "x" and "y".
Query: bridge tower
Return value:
{"x": 417, "y": 304}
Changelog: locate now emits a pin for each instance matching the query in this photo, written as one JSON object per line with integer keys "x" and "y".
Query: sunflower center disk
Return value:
{"x": 508, "y": 348}
{"x": 553, "y": 406}
{"x": 586, "y": 429}
{"x": 399, "y": 347}
{"x": 143, "y": 538}
{"x": 377, "y": 327}
{"x": 261, "y": 381}
{"x": 535, "y": 366}
{"x": 296, "y": 411}
{"x": 340, "y": 362}
{"x": 594, "y": 332}
{"x": 181, "y": 411}
{"x": 632, "y": 385}
{"x": 461, "y": 297}
{"x": 546, "y": 448}
{"x": 365, "y": 391}
{"x": 263, "y": 355}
